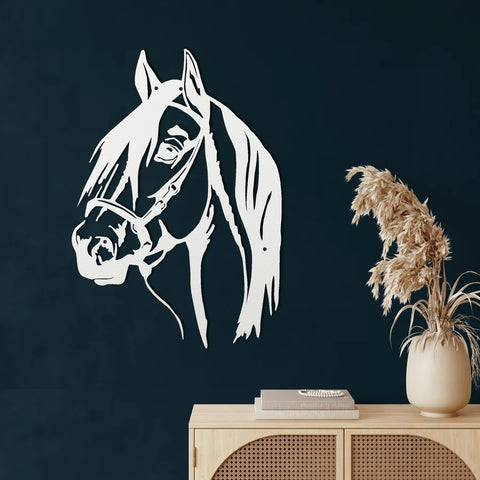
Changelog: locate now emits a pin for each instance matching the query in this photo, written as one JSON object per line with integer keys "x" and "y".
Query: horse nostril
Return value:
{"x": 101, "y": 249}
{"x": 103, "y": 254}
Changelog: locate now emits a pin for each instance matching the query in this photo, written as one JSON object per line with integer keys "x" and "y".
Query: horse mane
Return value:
{"x": 251, "y": 204}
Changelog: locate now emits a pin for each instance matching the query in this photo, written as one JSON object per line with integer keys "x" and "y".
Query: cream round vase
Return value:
{"x": 438, "y": 377}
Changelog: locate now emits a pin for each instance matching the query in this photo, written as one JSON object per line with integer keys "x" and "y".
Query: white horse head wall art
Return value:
{"x": 142, "y": 166}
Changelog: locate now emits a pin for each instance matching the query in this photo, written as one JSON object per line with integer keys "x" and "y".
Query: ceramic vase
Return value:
{"x": 438, "y": 376}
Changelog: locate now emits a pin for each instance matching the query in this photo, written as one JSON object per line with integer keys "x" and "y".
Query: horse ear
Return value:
{"x": 145, "y": 79}
{"x": 193, "y": 90}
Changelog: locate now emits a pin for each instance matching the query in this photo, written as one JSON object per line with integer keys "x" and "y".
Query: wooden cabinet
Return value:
{"x": 388, "y": 442}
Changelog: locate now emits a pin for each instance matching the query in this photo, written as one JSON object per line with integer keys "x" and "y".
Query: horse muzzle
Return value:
{"x": 97, "y": 259}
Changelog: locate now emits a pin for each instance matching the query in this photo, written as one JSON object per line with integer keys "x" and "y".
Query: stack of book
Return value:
{"x": 305, "y": 404}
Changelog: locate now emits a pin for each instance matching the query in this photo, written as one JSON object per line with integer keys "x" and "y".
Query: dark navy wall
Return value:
{"x": 95, "y": 381}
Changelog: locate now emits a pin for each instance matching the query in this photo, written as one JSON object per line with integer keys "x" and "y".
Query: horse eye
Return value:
{"x": 167, "y": 153}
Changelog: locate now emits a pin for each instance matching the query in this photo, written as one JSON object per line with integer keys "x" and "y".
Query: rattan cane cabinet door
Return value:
{"x": 271, "y": 454}
{"x": 436, "y": 454}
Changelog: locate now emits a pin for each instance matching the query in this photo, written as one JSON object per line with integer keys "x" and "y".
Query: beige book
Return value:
{"x": 292, "y": 400}
{"x": 261, "y": 414}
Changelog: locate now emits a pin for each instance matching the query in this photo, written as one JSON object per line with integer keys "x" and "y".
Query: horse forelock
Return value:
{"x": 137, "y": 135}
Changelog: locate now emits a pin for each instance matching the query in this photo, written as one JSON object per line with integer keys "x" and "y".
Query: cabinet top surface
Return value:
{"x": 371, "y": 416}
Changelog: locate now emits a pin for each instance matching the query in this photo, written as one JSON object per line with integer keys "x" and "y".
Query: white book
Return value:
{"x": 261, "y": 414}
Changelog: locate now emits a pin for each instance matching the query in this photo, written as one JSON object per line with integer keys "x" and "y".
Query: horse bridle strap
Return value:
{"x": 163, "y": 196}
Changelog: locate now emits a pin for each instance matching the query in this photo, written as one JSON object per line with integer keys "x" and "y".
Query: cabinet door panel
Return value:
{"x": 419, "y": 454}
{"x": 273, "y": 454}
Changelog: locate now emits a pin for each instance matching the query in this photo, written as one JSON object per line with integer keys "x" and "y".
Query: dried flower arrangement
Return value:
{"x": 419, "y": 261}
